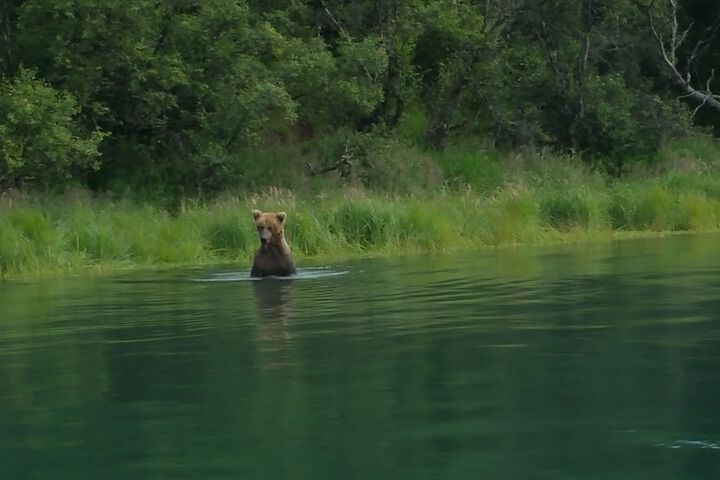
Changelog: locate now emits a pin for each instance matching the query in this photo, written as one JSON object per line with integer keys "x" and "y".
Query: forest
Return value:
{"x": 183, "y": 98}
{"x": 505, "y": 216}
{"x": 142, "y": 132}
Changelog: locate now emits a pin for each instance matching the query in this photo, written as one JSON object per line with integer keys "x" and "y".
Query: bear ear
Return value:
{"x": 281, "y": 216}
{"x": 256, "y": 213}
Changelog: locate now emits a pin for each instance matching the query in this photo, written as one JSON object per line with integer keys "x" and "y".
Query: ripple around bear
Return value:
{"x": 274, "y": 256}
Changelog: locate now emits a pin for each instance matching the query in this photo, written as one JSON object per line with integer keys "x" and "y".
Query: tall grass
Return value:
{"x": 476, "y": 167}
{"x": 555, "y": 201}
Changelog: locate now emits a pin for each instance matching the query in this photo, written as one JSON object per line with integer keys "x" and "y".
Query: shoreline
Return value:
{"x": 78, "y": 232}
{"x": 111, "y": 268}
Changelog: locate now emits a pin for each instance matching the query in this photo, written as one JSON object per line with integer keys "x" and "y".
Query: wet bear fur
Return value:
{"x": 273, "y": 258}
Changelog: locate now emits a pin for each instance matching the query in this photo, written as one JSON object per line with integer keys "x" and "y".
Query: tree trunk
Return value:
{"x": 8, "y": 64}
{"x": 439, "y": 127}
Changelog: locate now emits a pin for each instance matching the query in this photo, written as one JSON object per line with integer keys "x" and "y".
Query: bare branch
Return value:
{"x": 344, "y": 165}
{"x": 684, "y": 35}
{"x": 673, "y": 32}
{"x": 709, "y": 81}
{"x": 697, "y": 109}
{"x": 332, "y": 18}
{"x": 345, "y": 34}
{"x": 658, "y": 38}
{"x": 585, "y": 51}
{"x": 552, "y": 61}
{"x": 668, "y": 52}
{"x": 703, "y": 44}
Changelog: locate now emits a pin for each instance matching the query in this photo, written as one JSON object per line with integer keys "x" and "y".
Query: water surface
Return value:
{"x": 573, "y": 362}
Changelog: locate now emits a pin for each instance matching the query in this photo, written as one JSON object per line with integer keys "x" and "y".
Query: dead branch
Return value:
{"x": 346, "y": 35}
{"x": 669, "y": 50}
{"x": 344, "y": 165}
{"x": 549, "y": 51}
{"x": 703, "y": 45}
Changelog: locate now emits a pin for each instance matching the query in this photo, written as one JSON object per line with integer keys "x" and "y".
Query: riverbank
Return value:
{"x": 77, "y": 232}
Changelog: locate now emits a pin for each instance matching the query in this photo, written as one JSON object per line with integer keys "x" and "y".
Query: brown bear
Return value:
{"x": 274, "y": 256}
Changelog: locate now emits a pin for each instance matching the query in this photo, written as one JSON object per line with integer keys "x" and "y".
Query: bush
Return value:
{"x": 96, "y": 234}
{"x": 510, "y": 217}
{"x": 425, "y": 228}
{"x": 363, "y": 224}
{"x": 564, "y": 211}
{"x": 697, "y": 212}
{"x": 475, "y": 167}
{"x": 644, "y": 207}
{"x": 39, "y": 137}
{"x": 226, "y": 233}
{"x": 307, "y": 234}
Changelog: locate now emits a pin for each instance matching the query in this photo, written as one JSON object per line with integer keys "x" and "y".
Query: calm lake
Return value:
{"x": 567, "y": 362}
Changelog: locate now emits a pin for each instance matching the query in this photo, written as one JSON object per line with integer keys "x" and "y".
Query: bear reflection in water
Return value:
{"x": 273, "y": 298}
{"x": 273, "y": 301}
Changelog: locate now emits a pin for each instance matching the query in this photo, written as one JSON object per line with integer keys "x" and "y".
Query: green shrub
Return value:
{"x": 697, "y": 212}
{"x": 642, "y": 207}
{"x": 96, "y": 234}
{"x": 653, "y": 209}
{"x": 31, "y": 241}
{"x": 564, "y": 211}
{"x": 424, "y": 227}
{"x": 226, "y": 232}
{"x": 363, "y": 224}
{"x": 17, "y": 252}
{"x": 511, "y": 218}
{"x": 40, "y": 139}
{"x": 308, "y": 234}
{"x": 480, "y": 169}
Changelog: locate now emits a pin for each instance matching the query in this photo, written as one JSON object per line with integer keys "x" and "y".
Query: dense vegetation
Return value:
{"x": 185, "y": 98}
{"x": 535, "y": 202}
{"x": 137, "y": 131}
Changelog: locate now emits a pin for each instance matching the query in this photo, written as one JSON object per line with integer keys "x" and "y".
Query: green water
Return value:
{"x": 577, "y": 362}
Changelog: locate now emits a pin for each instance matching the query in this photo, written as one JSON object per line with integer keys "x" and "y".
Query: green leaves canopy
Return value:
{"x": 169, "y": 94}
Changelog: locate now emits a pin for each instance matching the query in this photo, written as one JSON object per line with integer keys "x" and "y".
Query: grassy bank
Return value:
{"x": 556, "y": 202}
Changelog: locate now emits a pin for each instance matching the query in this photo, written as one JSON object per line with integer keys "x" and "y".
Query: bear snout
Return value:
{"x": 265, "y": 235}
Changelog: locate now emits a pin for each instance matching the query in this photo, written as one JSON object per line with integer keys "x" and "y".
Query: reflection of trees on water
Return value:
{"x": 450, "y": 369}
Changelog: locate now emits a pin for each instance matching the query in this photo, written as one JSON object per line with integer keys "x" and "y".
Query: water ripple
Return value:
{"x": 694, "y": 444}
{"x": 302, "y": 274}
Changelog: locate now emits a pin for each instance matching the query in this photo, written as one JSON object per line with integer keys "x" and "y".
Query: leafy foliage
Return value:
{"x": 169, "y": 97}
{"x": 40, "y": 138}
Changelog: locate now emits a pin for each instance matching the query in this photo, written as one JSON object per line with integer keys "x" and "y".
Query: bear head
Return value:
{"x": 270, "y": 227}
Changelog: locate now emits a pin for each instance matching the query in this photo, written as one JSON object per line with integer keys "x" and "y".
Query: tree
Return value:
{"x": 180, "y": 85}
{"x": 183, "y": 89}
{"x": 664, "y": 23}
{"x": 580, "y": 74}
{"x": 40, "y": 138}
{"x": 8, "y": 9}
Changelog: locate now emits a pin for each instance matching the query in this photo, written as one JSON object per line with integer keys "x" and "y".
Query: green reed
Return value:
{"x": 80, "y": 233}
